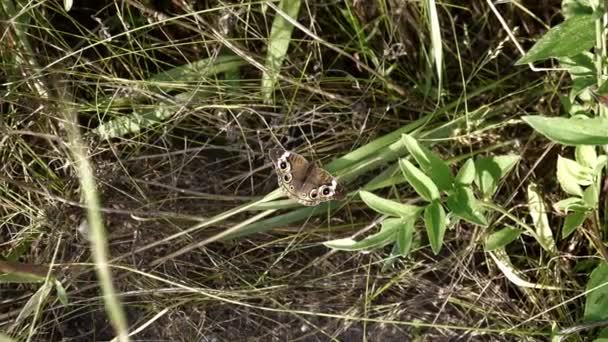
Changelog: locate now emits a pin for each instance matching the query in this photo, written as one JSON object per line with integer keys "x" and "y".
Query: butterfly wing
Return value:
{"x": 304, "y": 181}
{"x": 327, "y": 186}
{"x": 291, "y": 169}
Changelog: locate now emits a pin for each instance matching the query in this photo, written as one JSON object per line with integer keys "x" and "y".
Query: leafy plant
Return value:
{"x": 434, "y": 182}
{"x": 585, "y": 127}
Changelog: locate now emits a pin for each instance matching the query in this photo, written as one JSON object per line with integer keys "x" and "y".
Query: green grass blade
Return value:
{"x": 278, "y": 43}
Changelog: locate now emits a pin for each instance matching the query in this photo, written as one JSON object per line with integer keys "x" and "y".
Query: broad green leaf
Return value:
{"x": 538, "y": 212}
{"x": 574, "y": 171}
{"x": 501, "y": 238}
{"x": 278, "y": 43}
{"x": 490, "y": 170}
{"x": 466, "y": 174}
{"x": 572, "y": 222}
{"x": 581, "y": 65}
{"x": 570, "y": 204}
{"x": 586, "y": 155}
{"x": 571, "y": 175}
{"x": 571, "y": 8}
{"x": 580, "y": 85}
{"x": 386, "y": 235}
{"x": 583, "y": 74}
{"x": 574, "y": 35}
{"x": 434, "y": 220}
{"x": 405, "y": 235}
{"x": 388, "y": 207}
{"x": 462, "y": 203}
{"x": 423, "y": 185}
{"x": 571, "y": 131}
{"x": 596, "y": 305}
{"x": 432, "y": 165}
{"x": 591, "y": 196}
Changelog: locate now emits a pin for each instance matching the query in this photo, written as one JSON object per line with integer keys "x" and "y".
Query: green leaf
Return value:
{"x": 466, "y": 174}
{"x": 574, "y": 35}
{"x": 462, "y": 203}
{"x": 571, "y": 8}
{"x": 596, "y": 305}
{"x": 278, "y": 43}
{"x": 591, "y": 196}
{"x": 436, "y": 42}
{"x": 538, "y": 212}
{"x": 582, "y": 70}
{"x": 490, "y": 170}
{"x": 432, "y": 165}
{"x": 405, "y": 235}
{"x": 386, "y": 235}
{"x": 571, "y": 175}
{"x": 586, "y": 155}
{"x": 571, "y": 131}
{"x": 574, "y": 171}
{"x": 434, "y": 220}
{"x": 572, "y": 222}
{"x": 388, "y": 207}
{"x": 501, "y": 238}
{"x": 423, "y": 185}
{"x": 570, "y": 204}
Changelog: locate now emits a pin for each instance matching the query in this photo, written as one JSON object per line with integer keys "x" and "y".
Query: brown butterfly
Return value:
{"x": 304, "y": 181}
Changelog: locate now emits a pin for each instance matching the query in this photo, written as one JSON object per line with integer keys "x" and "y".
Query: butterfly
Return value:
{"x": 304, "y": 181}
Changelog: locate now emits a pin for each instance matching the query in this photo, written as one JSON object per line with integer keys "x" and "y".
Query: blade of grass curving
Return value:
{"x": 278, "y": 43}
{"x": 283, "y": 220}
{"x": 99, "y": 242}
{"x": 437, "y": 49}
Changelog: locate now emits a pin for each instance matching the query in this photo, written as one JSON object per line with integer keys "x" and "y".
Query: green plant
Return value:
{"x": 585, "y": 127}
{"x": 433, "y": 181}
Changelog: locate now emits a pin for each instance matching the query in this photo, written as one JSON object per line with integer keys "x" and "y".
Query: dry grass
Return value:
{"x": 207, "y": 155}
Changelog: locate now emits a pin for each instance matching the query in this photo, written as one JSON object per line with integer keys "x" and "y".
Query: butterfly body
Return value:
{"x": 303, "y": 180}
